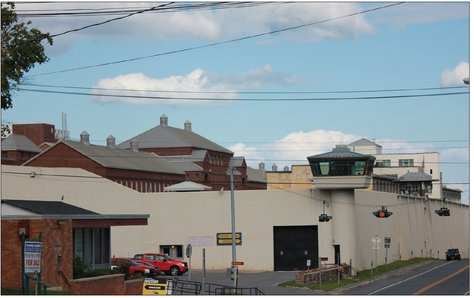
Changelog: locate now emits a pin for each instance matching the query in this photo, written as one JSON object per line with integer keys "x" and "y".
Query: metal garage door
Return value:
{"x": 293, "y": 246}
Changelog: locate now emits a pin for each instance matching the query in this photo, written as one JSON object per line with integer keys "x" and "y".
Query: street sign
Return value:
{"x": 226, "y": 238}
{"x": 237, "y": 263}
{"x": 32, "y": 254}
{"x": 160, "y": 286}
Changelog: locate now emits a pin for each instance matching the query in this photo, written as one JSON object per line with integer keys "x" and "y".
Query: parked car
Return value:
{"x": 163, "y": 262}
{"x": 133, "y": 267}
{"x": 149, "y": 264}
{"x": 453, "y": 254}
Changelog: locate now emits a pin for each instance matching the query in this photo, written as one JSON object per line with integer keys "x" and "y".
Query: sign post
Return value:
{"x": 189, "y": 253}
{"x": 387, "y": 246}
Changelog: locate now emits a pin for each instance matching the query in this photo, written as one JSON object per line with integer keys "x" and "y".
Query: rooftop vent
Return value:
{"x": 111, "y": 142}
{"x": 187, "y": 126}
{"x": 134, "y": 145}
{"x": 164, "y": 120}
{"x": 85, "y": 138}
{"x": 274, "y": 168}
{"x": 261, "y": 166}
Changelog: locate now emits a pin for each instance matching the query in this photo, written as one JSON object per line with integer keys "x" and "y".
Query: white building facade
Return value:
{"x": 262, "y": 217}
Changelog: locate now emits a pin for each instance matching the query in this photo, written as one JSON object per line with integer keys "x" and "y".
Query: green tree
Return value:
{"x": 22, "y": 48}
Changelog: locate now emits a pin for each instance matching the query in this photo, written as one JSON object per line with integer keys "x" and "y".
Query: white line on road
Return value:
{"x": 402, "y": 281}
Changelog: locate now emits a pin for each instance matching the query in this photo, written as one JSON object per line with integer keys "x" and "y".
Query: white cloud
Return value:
{"x": 410, "y": 13}
{"x": 454, "y": 77}
{"x": 208, "y": 25}
{"x": 294, "y": 148}
{"x": 196, "y": 84}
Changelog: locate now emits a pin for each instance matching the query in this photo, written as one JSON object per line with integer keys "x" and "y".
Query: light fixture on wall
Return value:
{"x": 32, "y": 174}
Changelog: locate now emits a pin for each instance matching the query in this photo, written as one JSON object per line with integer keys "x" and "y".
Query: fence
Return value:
{"x": 182, "y": 287}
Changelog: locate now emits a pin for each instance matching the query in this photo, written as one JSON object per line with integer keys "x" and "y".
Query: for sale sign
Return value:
{"x": 32, "y": 256}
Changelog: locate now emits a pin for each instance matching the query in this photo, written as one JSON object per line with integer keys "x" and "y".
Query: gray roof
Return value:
{"x": 164, "y": 136}
{"x": 364, "y": 142}
{"x": 19, "y": 143}
{"x": 237, "y": 161}
{"x": 341, "y": 153}
{"x": 415, "y": 176}
{"x": 187, "y": 186}
{"x": 47, "y": 207}
{"x": 121, "y": 158}
{"x": 256, "y": 175}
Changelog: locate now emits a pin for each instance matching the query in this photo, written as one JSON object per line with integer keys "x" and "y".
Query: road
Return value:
{"x": 431, "y": 278}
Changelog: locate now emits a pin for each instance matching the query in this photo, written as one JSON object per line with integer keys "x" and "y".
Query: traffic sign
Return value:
{"x": 237, "y": 263}
{"x": 226, "y": 238}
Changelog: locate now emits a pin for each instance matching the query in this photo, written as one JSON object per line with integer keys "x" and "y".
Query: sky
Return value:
{"x": 273, "y": 82}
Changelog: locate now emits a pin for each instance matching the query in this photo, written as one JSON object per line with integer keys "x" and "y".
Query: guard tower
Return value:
{"x": 336, "y": 175}
{"x": 341, "y": 168}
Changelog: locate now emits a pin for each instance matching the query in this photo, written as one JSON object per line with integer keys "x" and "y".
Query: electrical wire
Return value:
{"x": 218, "y": 43}
{"x": 246, "y": 92}
{"x": 248, "y": 99}
{"x": 111, "y": 20}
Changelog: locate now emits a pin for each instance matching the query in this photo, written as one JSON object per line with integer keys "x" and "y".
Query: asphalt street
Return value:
{"x": 430, "y": 278}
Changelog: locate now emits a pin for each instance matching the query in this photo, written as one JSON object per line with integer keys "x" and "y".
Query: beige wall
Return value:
{"x": 174, "y": 217}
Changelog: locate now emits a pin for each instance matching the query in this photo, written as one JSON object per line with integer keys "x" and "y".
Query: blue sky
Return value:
{"x": 407, "y": 46}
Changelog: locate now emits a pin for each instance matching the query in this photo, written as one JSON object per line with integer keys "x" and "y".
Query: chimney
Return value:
{"x": 187, "y": 126}
{"x": 286, "y": 169}
{"x": 134, "y": 145}
{"x": 85, "y": 138}
{"x": 261, "y": 166}
{"x": 274, "y": 168}
{"x": 111, "y": 142}
{"x": 164, "y": 120}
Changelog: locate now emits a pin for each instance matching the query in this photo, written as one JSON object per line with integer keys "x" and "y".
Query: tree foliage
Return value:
{"x": 22, "y": 48}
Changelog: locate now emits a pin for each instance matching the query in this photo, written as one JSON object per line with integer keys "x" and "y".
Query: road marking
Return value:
{"x": 440, "y": 281}
{"x": 397, "y": 283}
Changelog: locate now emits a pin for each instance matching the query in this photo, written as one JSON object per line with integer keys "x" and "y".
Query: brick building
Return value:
{"x": 38, "y": 133}
{"x": 202, "y": 160}
{"x": 17, "y": 149}
{"x": 65, "y": 231}
{"x": 141, "y": 171}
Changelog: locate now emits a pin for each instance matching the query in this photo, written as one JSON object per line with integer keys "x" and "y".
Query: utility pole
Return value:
{"x": 232, "y": 211}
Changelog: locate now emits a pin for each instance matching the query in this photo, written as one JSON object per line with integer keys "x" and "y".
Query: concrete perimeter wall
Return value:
{"x": 178, "y": 218}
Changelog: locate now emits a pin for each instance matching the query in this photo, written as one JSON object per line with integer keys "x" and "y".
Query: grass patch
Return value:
{"x": 361, "y": 275}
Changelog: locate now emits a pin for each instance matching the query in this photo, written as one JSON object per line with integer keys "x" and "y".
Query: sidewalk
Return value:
{"x": 266, "y": 281}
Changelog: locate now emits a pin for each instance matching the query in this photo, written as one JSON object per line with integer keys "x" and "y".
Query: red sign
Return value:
{"x": 237, "y": 263}
{"x": 324, "y": 258}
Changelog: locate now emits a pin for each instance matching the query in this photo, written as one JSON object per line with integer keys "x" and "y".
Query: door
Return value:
{"x": 293, "y": 246}
{"x": 337, "y": 254}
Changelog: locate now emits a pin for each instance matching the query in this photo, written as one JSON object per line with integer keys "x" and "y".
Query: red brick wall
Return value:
{"x": 134, "y": 287}
{"x": 62, "y": 155}
{"x": 16, "y": 157}
{"x": 57, "y": 240}
{"x": 100, "y": 285}
{"x": 37, "y": 133}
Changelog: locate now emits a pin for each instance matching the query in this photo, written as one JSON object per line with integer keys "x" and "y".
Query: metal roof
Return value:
{"x": 364, "y": 142}
{"x": 187, "y": 186}
{"x": 121, "y": 158}
{"x": 341, "y": 153}
{"x": 48, "y": 207}
{"x": 255, "y": 175}
{"x": 164, "y": 136}
{"x": 19, "y": 143}
{"x": 237, "y": 161}
{"x": 415, "y": 176}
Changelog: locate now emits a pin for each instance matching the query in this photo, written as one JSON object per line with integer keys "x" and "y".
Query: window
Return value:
{"x": 405, "y": 162}
{"x": 385, "y": 163}
{"x": 93, "y": 246}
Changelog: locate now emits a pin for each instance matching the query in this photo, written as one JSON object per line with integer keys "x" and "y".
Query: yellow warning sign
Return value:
{"x": 226, "y": 238}
{"x": 160, "y": 286}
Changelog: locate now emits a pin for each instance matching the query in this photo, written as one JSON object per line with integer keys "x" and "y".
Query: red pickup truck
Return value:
{"x": 163, "y": 262}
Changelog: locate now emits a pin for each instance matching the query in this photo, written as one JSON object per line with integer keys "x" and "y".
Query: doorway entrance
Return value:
{"x": 293, "y": 246}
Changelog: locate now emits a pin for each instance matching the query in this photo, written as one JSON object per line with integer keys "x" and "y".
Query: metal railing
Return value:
{"x": 182, "y": 287}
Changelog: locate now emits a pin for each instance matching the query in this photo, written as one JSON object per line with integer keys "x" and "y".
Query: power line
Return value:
{"x": 80, "y": 12}
{"x": 247, "y": 92}
{"x": 219, "y": 43}
{"x": 111, "y": 20}
{"x": 248, "y": 99}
